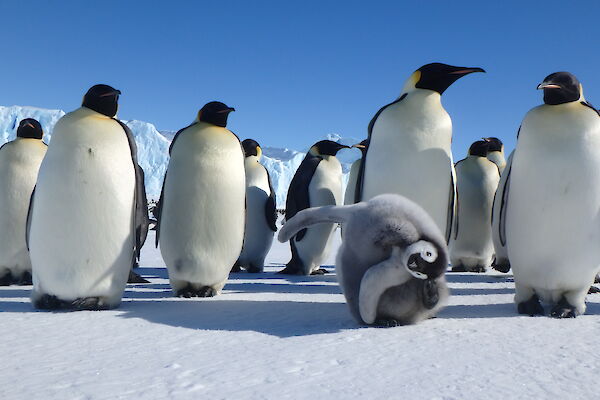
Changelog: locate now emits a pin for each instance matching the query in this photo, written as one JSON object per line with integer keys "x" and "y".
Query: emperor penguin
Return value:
{"x": 551, "y": 201}
{"x": 392, "y": 260}
{"x": 471, "y": 246}
{"x": 317, "y": 182}
{"x": 350, "y": 195}
{"x": 261, "y": 211}
{"x": 19, "y": 165}
{"x": 201, "y": 211}
{"x": 501, "y": 262}
{"x": 88, "y": 215}
{"x": 409, "y": 145}
{"x": 496, "y": 152}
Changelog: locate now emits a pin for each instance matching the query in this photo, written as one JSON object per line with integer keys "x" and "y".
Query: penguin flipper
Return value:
{"x": 315, "y": 215}
{"x": 452, "y": 215}
{"x": 271, "y": 206}
{"x": 177, "y": 136}
{"x": 504, "y": 206}
{"x": 298, "y": 197}
{"x": 158, "y": 211}
{"x": 29, "y": 215}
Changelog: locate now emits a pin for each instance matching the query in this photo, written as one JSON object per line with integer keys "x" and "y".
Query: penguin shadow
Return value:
{"x": 472, "y": 277}
{"x": 463, "y": 311}
{"x": 282, "y": 319}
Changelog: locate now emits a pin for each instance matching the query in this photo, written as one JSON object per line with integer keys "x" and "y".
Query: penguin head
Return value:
{"x": 30, "y": 128}
{"x": 251, "y": 148}
{"x": 215, "y": 113}
{"x": 437, "y": 77}
{"x": 327, "y": 148}
{"x": 362, "y": 146}
{"x": 479, "y": 148}
{"x": 561, "y": 87}
{"x": 494, "y": 144}
{"x": 103, "y": 99}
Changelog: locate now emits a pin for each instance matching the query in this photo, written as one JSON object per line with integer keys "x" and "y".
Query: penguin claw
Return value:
{"x": 531, "y": 307}
{"x": 459, "y": 268}
{"x": 501, "y": 267}
{"x": 189, "y": 291}
{"x": 89, "y": 304}
{"x": 186, "y": 292}
{"x": 48, "y": 302}
{"x": 206, "y": 291}
{"x": 563, "y": 310}
{"x": 319, "y": 271}
{"x": 136, "y": 278}
{"x": 478, "y": 269}
{"x": 593, "y": 289}
{"x": 386, "y": 323}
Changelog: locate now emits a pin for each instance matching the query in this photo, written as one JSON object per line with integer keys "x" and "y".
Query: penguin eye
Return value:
{"x": 428, "y": 254}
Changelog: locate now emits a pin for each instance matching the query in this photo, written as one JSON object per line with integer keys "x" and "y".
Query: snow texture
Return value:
{"x": 153, "y": 149}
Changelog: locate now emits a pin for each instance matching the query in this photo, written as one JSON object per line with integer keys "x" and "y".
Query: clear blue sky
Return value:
{"x": 296, "y": 71}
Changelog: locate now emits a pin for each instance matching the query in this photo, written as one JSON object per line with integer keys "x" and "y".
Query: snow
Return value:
{"x": 153, "y": 149}
{"x": 269, "y": 336}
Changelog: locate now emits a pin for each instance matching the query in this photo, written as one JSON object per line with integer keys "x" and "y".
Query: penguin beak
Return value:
{"x": 548, "y": 85}
{"x": 359, "y": 146}
{"x": 227, "y": 110}
{"x": 115, "y": 92}
{"x": 465, "y": 71}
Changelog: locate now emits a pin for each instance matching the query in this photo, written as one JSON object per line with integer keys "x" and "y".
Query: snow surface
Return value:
{"x": 274, "y": 337}
{"x": 153, "y": 149}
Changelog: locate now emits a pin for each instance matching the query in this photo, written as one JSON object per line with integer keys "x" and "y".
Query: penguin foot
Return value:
{"x": 289, "y": 271}
{"x": 478, "y": 269}
{"x": 236, "y": 268}
{"x": 49, "y": 302}
{"x": 254, "y": 269}
{"x": 189, "y": 291}
{"x": 206, "y": 291}
{"x": 26, "y": 279}
{"x": 459, "y": 268}
{"x": 563, "y": 310}
{"x": 531, "y": 307}
{"x": 597, "y": 279}
{"x": 89, "y": 304}
{"x": 593, "y": 289}
{"x": 386, "y": 323}
{"x": 501, "y": 267}
{"x": 136, "y": 278}
{"x": 6, "y": 279}
{"x": 319, "y": 271}
{"x": 186, "y": 292}
{"x": 431, "y": 295}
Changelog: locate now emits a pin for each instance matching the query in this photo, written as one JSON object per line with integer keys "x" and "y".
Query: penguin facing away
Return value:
{"x": 410, "y": 145}
{"x": 201, "y": 211}
{"x": 501, "y": 262}
{"x": 88, "y": 214}
{"x": 392, "y": 260}
{"x": 471, "y": 247}
{"x": 551, "y": 200}
{"x": 317, "y": 182}
{"x": 20, "y": 161}
{"x": 350, "y": 195}
{"x": 496, "y": 152}
{"x": 261, "y": 210}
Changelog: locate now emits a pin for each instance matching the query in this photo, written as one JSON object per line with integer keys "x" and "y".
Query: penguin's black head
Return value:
{"x": 215, "y": 113}
{"x": 494, "y": 144}
{"x": 479, "y": 148}
{"x": 362, "y": 146}
{"x": 438, "y": 77}
{"x": 30, "y": 128}
{"x": 103, "y": 99}
{"x": 560, "y": 88}
{"x": 251, "y": 148}
{"x": 327, "y": 148}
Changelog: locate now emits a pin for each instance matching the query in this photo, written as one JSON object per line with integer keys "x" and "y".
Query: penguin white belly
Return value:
{"x": 81, "y": 233}
{"x": 325, "y": 189}
{"x": 202, "y": 220}
{"x": 258, "y": 236}
{"x": 477, "y": 180}
{"x": 19, "y": 164}
{"x": 553, "y": 216}
{"x": 409, "y": 154}
{"x": 352, "y": 178}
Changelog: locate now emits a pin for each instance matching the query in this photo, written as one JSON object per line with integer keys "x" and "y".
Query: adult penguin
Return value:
{"x": 20, "y": 162}
{"x": 471, "y": 248}
{"x": 202, "y": 207}
{"x": 88, "y": 216}
{"x": 317, "y": 182}
{"x": 551, "y": 201}
{"x": 350, "y": 195}
{"x": 409, "y": 145}
{"x": 261, "y": 211}
{"x": 496, "y": 152}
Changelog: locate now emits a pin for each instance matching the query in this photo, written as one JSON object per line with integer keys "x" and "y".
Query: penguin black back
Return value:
{"x": 103, "y": 99}
{"x": 30, "y": 128}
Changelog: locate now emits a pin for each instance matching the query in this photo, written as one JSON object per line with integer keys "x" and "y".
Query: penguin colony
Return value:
{"x": 75, "y": 214}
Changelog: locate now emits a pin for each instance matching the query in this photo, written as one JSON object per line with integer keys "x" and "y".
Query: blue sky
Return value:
{"x": 296, "y": 71}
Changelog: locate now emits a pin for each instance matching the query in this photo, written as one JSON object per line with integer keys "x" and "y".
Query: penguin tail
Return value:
{"x": 315, "y": 215}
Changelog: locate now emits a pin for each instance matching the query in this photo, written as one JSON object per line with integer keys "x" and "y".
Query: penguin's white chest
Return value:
{"x": 409, "y": 154}
{"x": 81, "y": 235}
{"x": 553, "y": 217}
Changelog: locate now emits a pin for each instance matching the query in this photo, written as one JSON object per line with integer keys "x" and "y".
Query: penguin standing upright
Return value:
{"x": 19, "y": 164}
{"x": 471, "y": 247}
{"x": 261, "y": 210}
{"x": 551, "y": 201}
{"x": 501, "y": 262}
{"x": 496, "y": 152}
{"x": 350, "y": 195}
{"x": 202, "y": 206}
{"x": 317, "y": 182}
{"x": 409, "y": 145}
{"x": 88, "y": 218}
